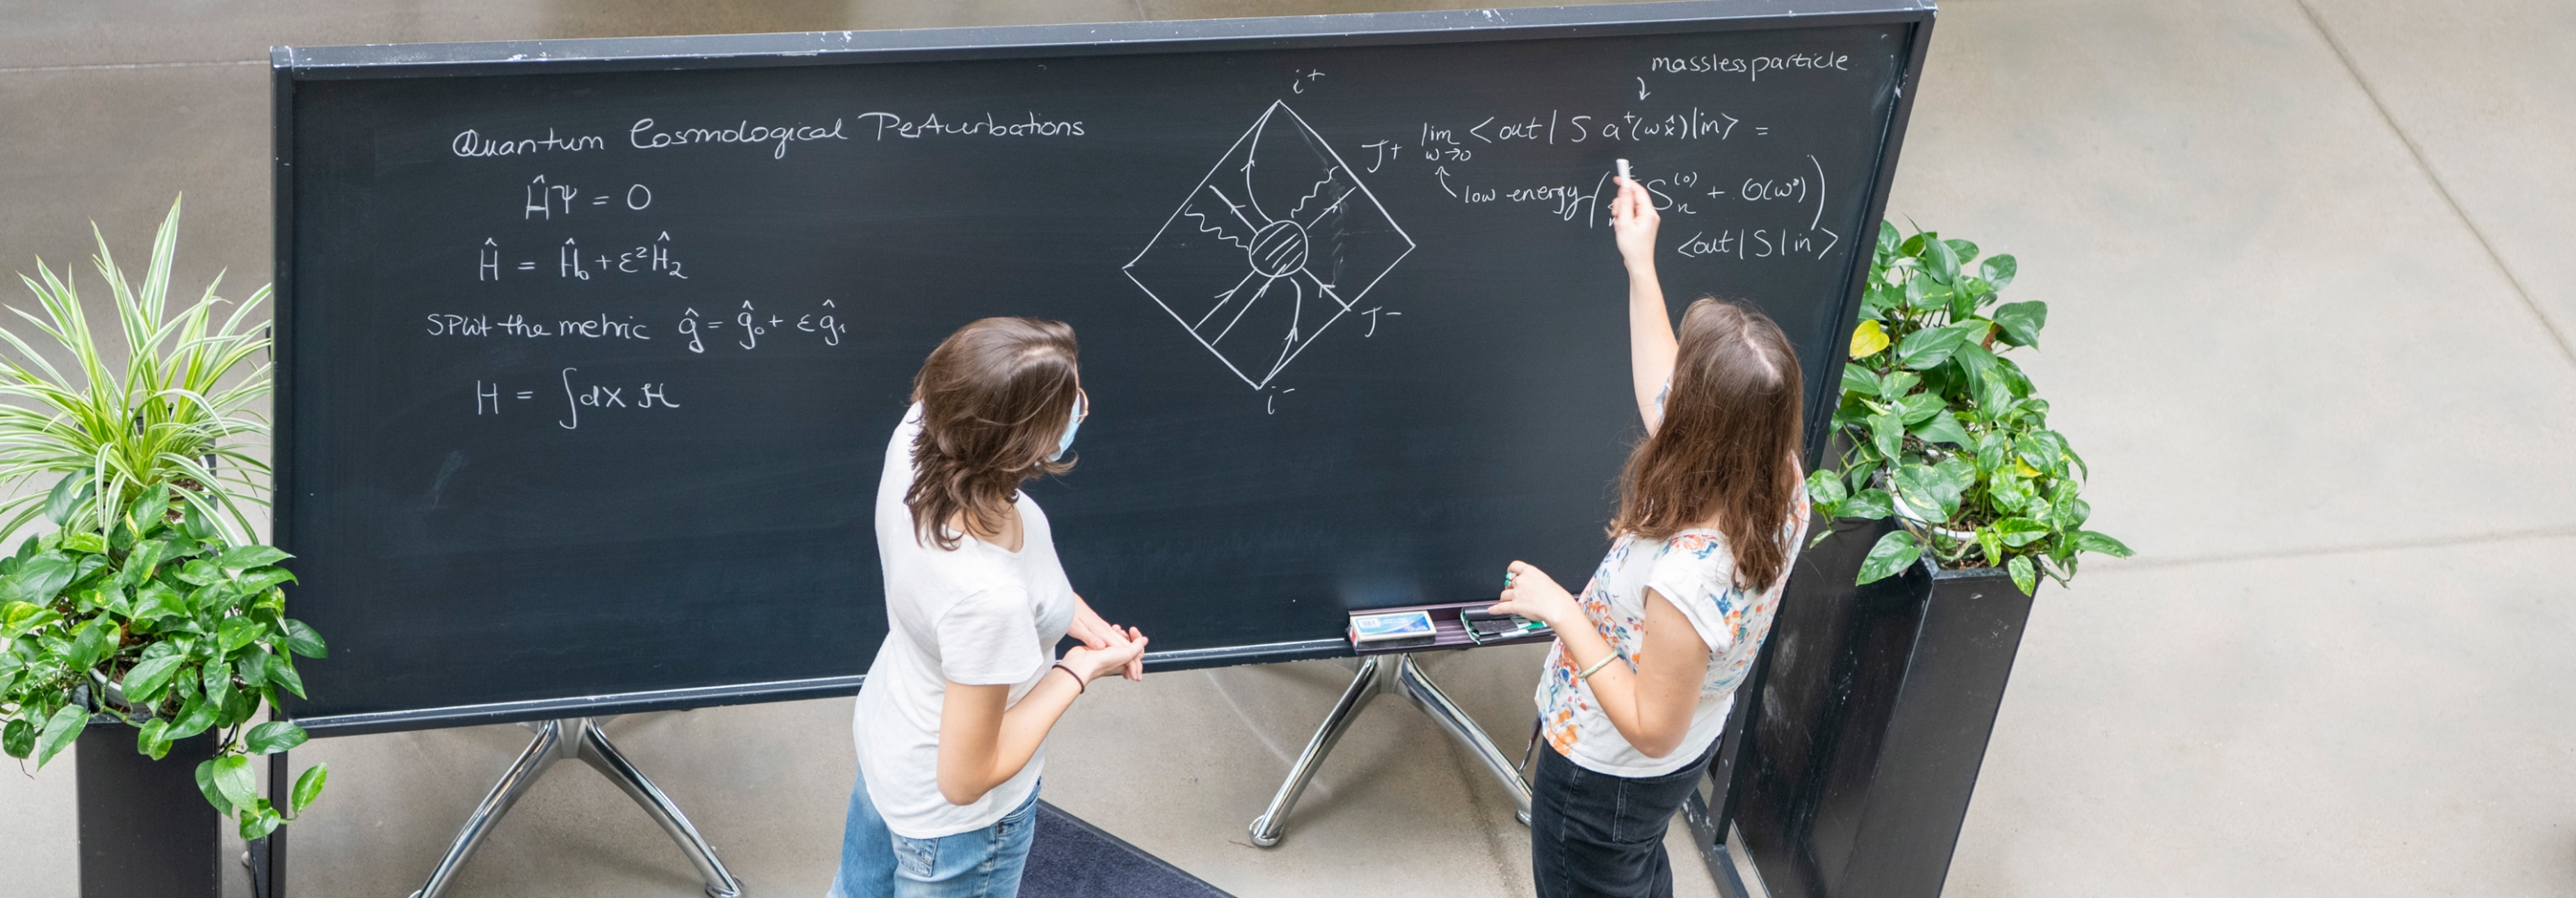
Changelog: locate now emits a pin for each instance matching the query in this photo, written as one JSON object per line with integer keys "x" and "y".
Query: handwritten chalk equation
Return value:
{"x": 1458, "y": 142}
{"x": 1768, "y": 188}
{"x": 1747, "y": 244}
{"x": 1797, "y": 189}
{"x": 571, "y": 262}
{"x": 750, "y": 326}
{"x": 541, "y": 201}
{"x": 490, "y": 397}
{"x": 1451, "y": 153}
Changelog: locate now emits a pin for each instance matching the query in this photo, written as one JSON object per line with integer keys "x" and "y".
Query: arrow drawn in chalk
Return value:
{"x": 1641, "y": 88}
{"x": 1443, "y": 172}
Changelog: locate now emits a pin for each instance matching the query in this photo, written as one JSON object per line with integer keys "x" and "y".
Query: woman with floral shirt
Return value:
{"x": 1711, "y": 512}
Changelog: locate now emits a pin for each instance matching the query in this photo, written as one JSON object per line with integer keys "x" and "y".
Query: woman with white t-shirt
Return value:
{"x": 1711, "y": 512}
{"x": 952, "y": 724}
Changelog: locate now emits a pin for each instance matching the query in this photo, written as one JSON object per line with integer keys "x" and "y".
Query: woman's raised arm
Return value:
{"x": 1651, "y": 345}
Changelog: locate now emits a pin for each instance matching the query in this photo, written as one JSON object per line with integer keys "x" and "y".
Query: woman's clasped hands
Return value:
{"x": 1106, "y": 647}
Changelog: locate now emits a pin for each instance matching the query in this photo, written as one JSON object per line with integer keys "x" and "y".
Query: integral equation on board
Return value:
{"x": 1284, "y": 237}
{"x": 608, "y": 220}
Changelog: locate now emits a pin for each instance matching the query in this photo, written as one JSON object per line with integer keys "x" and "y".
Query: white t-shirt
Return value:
{"x": 976, "y": 615}
{"x": 1695, "y": 571}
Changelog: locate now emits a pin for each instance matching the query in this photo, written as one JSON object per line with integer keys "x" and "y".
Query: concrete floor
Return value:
{"x": 2308, "y": 329}
{"x": 1178, "y": 765}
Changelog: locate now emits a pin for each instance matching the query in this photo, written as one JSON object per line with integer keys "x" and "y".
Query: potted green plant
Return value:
{"x": 149, "y": 618}
{"x": 1944, "y": 432}
{"x": 1951, "y": 499}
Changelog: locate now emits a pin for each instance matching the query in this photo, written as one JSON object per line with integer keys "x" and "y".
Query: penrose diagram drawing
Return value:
{"x": 1279, "y": 241}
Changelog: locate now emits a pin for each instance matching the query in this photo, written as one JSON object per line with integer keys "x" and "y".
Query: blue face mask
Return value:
{"x": 1081, "y": 409}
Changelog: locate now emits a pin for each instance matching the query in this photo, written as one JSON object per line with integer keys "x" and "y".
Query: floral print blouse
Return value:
{"x": 1695, "y": 571}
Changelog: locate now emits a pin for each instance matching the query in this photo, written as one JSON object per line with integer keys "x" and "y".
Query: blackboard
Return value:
{"x": 588, "y": 350}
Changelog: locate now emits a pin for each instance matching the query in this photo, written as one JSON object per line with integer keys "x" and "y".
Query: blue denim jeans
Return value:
{"x": 1595, "y": 834}
{"x": 978, "y": 863}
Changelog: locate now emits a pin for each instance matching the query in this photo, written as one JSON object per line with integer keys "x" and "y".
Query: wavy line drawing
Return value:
{"x": 1256, "y": 290}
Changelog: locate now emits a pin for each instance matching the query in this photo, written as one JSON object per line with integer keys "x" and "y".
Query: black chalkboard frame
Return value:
{"x": 291, "y": 66}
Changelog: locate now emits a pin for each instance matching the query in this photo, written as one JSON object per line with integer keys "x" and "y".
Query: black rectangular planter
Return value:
{"x": 1871, "y": 721}
{"x": 145, "y": 830}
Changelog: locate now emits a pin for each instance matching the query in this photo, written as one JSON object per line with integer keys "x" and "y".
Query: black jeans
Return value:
{"x": 1594, "y": 834}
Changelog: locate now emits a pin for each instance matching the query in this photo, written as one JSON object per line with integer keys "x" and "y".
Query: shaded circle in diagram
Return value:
{"x": 1279, "y": 249}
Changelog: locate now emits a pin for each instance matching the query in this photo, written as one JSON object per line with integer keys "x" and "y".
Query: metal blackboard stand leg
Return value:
{"x": 579, "y": 738}
{"x": 1376, "y": 675}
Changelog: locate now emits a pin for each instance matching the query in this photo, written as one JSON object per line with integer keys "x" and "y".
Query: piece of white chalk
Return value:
{"x": 1623, "y": 169}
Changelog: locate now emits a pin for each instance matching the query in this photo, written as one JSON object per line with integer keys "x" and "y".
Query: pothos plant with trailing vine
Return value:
{"x": 150, "y": 602}
{"x": 1945, "y": 433}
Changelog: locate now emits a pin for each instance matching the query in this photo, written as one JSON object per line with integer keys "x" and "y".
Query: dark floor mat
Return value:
{"x": 1073, "y": 859}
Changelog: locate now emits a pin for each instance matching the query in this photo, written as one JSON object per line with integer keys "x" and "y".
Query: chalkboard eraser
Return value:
{"x": 1368, "y": 628}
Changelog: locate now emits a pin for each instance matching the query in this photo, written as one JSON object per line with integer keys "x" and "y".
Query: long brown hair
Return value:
{"x": 995, "y": 397}
{"x": 1728, "y": 443}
